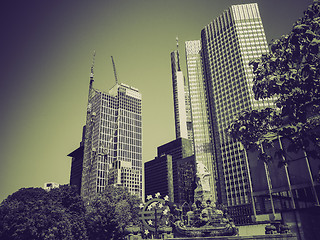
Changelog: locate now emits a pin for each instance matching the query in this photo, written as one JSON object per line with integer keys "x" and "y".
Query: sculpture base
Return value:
{"x": 181, "y": 230}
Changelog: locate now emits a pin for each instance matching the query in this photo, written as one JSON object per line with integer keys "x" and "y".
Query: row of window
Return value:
{"x": 130, "y": 156}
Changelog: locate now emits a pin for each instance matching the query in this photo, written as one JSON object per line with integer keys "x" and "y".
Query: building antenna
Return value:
{"x": 114, "y": 71}
{"x": 177, "y": 40}
{"x": 93, "y": 60}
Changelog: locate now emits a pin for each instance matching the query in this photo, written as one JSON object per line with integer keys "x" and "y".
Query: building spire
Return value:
{"x": 92, "y": 73}
{"x": 178, "y": 57}
{"x": 92, "y": 66}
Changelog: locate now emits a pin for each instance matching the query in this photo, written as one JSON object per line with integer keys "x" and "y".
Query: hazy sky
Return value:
{"x": 46, "y": 56}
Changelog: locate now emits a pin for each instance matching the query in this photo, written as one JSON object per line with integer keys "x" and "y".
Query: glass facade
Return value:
{"x": 229, "y": 43}
{"x": 113, "y": 141}
{"x": 204, "y": 148}
{"x": 181, "y": 99}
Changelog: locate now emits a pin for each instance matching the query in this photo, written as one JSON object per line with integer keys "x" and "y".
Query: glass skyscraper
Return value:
{"x": 203, "y": 140}
{"x": 113, "y": 140}
{"x": 228, "y": 44}
{"x": 181, "y": 99}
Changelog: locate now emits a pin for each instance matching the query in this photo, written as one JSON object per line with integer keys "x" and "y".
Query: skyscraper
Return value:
{"x": 181, "y": 99}
{"x": 204, "y": 145}
{"x": 113, "y": 140}
{"x": 228, "y": 44}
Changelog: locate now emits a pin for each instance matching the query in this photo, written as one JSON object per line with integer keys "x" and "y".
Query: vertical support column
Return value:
{"x": 251, "y": 188}
{"x": 287, "y": 174}
{"x": 311, "y": 178}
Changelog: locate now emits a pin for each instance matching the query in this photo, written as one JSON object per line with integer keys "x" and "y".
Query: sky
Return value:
{"x": 47, "y": 48}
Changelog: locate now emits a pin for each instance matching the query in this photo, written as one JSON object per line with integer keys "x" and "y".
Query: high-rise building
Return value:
{"x": 228, "y": 44}
{"x": 180, "y": 149}
{"x": 181, "y": 99}
{"x": 113, "y": 140}
{"x": 204, "y": 145}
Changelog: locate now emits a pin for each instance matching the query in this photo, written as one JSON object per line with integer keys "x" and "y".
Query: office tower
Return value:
{"x": 158, "y": 176}
{"x": 180, "y": 149}
{"x": 113, "y": 140}
{"x": 204, "y": 145}
{"x": 181, "y": 99}
{"x": 228, "y": 44}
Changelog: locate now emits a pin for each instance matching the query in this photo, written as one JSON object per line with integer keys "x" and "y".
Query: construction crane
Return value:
{"x": 114, "y": 71}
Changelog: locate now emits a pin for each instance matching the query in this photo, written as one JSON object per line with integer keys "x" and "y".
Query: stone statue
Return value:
{"x": 202, "y": 191}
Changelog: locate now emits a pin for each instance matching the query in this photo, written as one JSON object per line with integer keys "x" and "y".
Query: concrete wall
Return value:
{"x": 250, "y": 230}
{"x": 254, "y": 237}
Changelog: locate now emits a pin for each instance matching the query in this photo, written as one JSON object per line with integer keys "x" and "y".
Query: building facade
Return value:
{"x": 172, "y": 172}
{"x": 158, "y": 176}
{"x": 295, "y": 185}
{"x": 76, "y": 168}
{"x": 204, "y": 144}
{"x": 181, "y": 99}
{"x": 113, "y": 140}
{"x": 186, "y": 182}
{"x": 179, "y": 149}
{"x": 77, "y": 164}
{"x": 228, "y": 44}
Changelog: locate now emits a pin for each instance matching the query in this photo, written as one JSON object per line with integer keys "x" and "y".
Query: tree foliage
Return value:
{"x": 110, "y": 212}
{"x": 289, "y": 74}
{"x": 33, "y": 213}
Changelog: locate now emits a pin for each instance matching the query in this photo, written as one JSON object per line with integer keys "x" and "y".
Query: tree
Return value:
{"x": 110, "y": 212}
{"x": 33, "y": 213}
{"x": 68, "y": 198}
{"x": 290, "y": 74}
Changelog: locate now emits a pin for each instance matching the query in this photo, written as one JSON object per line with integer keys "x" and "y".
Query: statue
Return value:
{"x": 202, "y": 191}
{"x": 204, "y": 219}
{"x": 201, "y": 219}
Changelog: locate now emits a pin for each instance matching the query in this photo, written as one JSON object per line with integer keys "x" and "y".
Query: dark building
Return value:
{"x": 185, "y": 178}
{"x": 76, "y": 167}
{"x": 158, "y": 176}
{"x": 294, "y": 185}
{"x": 183, "y": 168}
{"x": 77, "y": 164}
{"x": 288, "y": 186}
{"x": 178, "y": 148}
